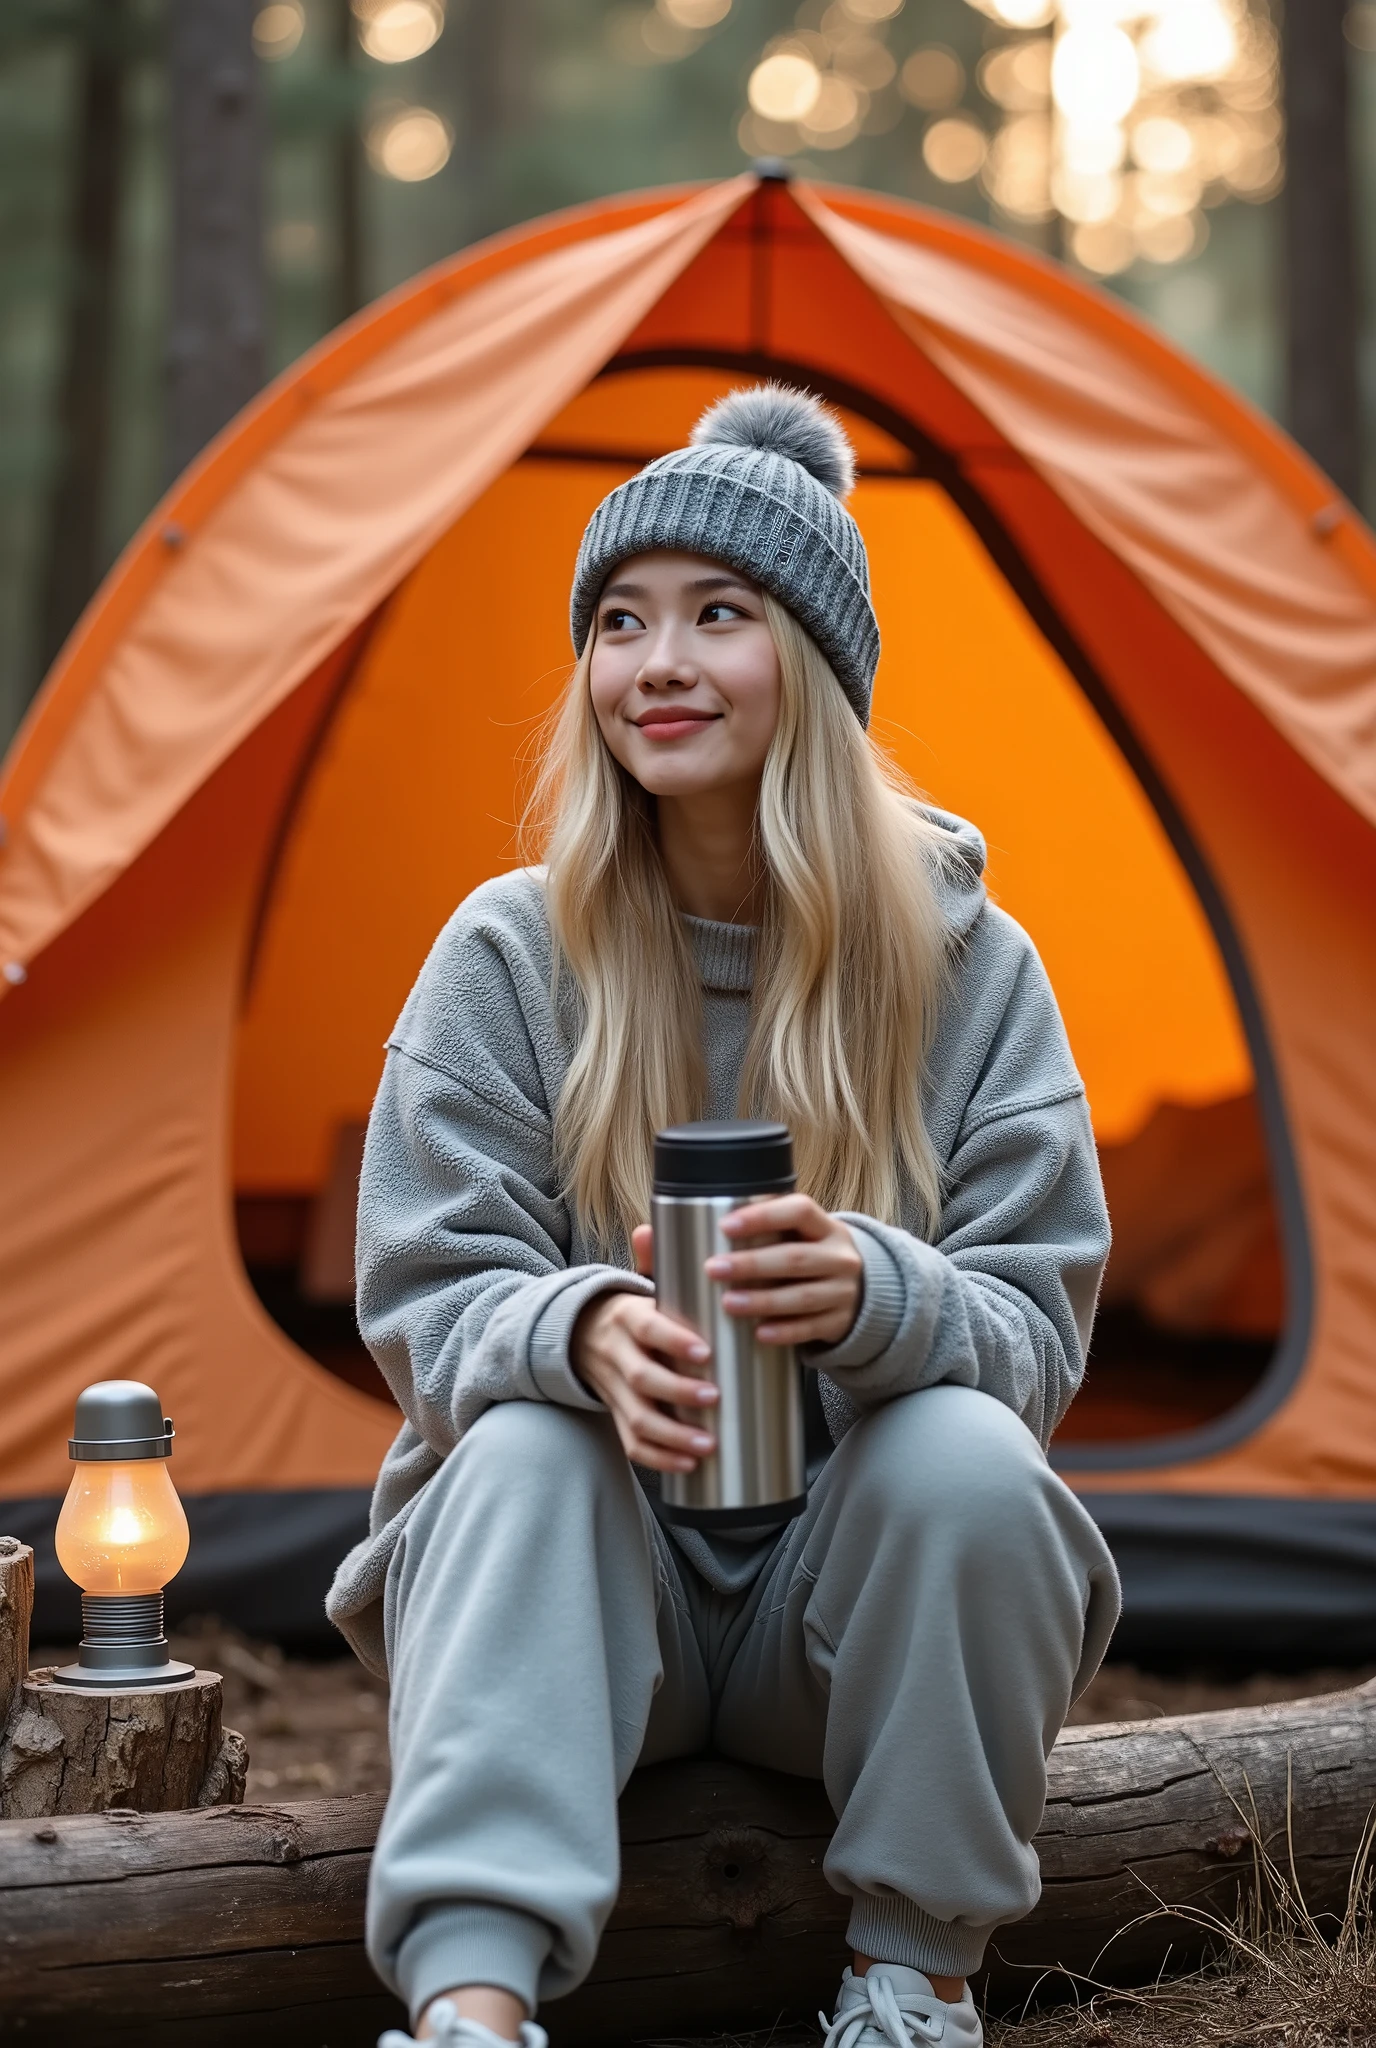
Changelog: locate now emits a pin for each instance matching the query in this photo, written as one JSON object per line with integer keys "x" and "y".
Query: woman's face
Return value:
{"x": 684, "y": 674}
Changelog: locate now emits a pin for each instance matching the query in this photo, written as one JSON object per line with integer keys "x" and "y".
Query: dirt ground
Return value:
{"x": 316, "y": 1730}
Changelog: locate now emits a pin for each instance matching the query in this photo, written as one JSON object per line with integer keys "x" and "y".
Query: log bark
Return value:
{"x": 122, "y": 1927}
{"x": 16, "y": 1613}
{"x": 68, "y": 1750}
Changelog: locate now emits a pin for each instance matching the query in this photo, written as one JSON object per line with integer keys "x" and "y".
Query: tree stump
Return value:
{"x": 16, "y": 1612}
{"x": 73, "y": 1749}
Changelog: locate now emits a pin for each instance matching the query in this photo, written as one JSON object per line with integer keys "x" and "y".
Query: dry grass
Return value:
{"x": 1278, "y": 1978}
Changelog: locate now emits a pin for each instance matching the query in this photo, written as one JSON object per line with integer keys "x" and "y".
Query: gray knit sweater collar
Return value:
{"x": 725, "y": 954}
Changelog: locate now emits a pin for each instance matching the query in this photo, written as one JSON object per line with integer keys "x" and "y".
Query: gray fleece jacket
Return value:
{"x": 472, "y": 1269}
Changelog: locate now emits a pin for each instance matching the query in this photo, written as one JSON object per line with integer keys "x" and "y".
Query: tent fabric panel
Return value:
{"x": 1222, "y": 549}
{"x": 1295, "y": 475}
{"x": 116, "y": 1250}
{"x": 1300, "y": 900}
{"x": 241, "y": 443}
{"x": 261, "y": 1561}
{"x": 312, "y": 540}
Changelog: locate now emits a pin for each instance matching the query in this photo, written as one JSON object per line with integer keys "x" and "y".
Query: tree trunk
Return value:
{"x": 348, "y": 182}
{"x": 217, "y": 350}
{"x": 73, "y": 545}
{"x": 1321, "y": 260}
{"x": 249, "y": 1922}
{"x": 68, "y": 1750}
{"x": 492, "y": 47}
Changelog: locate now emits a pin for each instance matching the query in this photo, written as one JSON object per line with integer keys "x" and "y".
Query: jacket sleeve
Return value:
{"x": 465, "y": 1294}
{"x": 1003, "y": 1297}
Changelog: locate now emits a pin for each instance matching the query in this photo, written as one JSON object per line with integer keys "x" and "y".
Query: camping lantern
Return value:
{"x": 121, "y": 1536}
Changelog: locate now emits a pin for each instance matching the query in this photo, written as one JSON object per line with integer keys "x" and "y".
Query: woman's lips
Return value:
{"x": 677, "y": 727}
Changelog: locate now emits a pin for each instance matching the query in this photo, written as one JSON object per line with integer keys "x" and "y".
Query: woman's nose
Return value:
{"x": 664, "y": 668}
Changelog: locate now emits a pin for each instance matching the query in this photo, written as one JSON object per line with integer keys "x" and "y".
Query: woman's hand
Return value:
{"x": 803, "y": 1291}
{"x": 618, "y": 1345}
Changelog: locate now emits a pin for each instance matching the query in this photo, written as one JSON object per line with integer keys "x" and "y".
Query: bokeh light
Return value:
{"x": 1191, "y": 39}
{"x": 835, "y": 115}
{"x": 1017, "y": 13}
{"x": 954, "y": 149}
{"x": 932, "y": 78}
{"x": 1017, "y": 175}
{"x": 695, "y": 14}
{"x": 1106, "y": 246}
{"x": 1128, "y": 119}
{"x": 395, "y": 31}
{"x": 1095, "y": 75}
{"x": 278, "y": 29}
{"x": 409, "y": 143}
{"x": 784, "y": 87}
{"x": 1160, "y": 110}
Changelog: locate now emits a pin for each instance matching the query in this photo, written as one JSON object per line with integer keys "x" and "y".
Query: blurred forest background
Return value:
{"x": 287, "y": 161}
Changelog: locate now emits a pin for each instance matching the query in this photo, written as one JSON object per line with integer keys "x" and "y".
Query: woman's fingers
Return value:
{"x": 813, "y": 1298}
{"x": 652, "y": 1330}
{"x": 649, "y": 1381}
{"x": 651, "y": 1436}
{"x": 662, "y": 1431}
{"x": 643, "y": 1250}
{"x": 634, "y": 1381}
{"x": 774, "y": 1263}
{"x": 779, "y": 1212}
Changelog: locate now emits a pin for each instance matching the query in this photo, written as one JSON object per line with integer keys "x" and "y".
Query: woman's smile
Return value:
{"x": 663, "y": 722}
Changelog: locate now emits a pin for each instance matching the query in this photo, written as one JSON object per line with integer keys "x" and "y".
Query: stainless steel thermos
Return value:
{"x": 702, "y": 1172}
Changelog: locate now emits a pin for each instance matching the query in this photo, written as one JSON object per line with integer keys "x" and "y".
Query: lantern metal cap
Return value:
{"x": 119, "y": 1420}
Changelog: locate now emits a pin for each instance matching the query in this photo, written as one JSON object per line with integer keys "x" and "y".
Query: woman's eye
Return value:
{"x": 618, "y": 621}
{"x": 716, "y": 614}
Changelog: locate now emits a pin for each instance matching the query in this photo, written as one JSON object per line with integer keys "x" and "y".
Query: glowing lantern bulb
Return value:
{"x": 122, "y": 1528}
{"x": 121, "y": 1536}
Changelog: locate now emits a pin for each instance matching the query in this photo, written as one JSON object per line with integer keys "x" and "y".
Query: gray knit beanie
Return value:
{"x": 760, "y": 489}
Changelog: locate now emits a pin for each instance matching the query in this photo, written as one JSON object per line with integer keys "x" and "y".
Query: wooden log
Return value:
{"x": 124, "y": 1927}
{"x": 67, "y": 1749}
{"x": 16, "y": 1612}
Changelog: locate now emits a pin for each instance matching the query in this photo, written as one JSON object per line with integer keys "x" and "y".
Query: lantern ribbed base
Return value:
{"x": 123, "y": 1647}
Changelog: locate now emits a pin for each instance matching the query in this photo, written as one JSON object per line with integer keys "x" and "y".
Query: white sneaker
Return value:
{"x": 894, "y": 2007}
{"x": 453, "y": 2031}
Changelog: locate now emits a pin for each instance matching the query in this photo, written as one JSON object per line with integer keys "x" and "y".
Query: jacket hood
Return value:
{"x": 960, "y": 871}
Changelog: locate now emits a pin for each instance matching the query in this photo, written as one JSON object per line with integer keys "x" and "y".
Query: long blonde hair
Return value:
{"x": 849, "y": 972}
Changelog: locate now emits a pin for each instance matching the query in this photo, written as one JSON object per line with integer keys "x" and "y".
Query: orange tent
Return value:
{"x": 1128, "y": 629}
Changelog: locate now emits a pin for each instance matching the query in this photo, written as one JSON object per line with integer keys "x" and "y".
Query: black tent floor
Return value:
{"x": 1216, "y": 1581}
{"x": 260, "y": 1561}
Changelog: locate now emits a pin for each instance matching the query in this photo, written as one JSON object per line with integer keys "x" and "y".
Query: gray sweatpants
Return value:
{"x": 915, "y": 1640}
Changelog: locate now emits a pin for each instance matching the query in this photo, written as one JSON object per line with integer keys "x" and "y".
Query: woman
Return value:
{"x": 739, "y": 910}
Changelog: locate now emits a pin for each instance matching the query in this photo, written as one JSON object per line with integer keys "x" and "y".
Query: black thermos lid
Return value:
{"x": 739, "y": 1158}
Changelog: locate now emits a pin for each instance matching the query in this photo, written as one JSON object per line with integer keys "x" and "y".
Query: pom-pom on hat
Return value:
{"x": 760, "y": 488}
